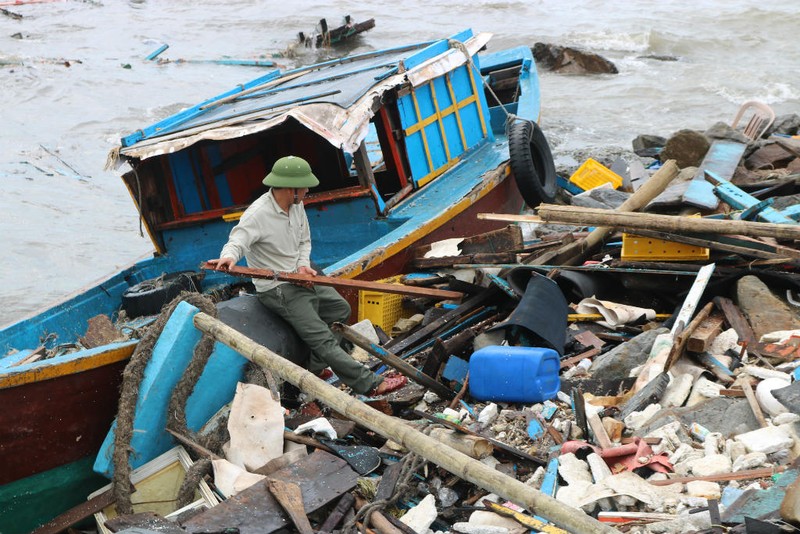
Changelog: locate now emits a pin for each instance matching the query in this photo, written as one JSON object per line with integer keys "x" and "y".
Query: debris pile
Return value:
{"x": 635, "y": 371}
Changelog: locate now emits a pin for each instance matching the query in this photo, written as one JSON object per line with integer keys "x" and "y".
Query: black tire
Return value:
{"x": 532, "y": 163}
{"x": 148, "y": 297}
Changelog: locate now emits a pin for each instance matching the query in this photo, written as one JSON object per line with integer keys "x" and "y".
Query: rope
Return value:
{"x": 510, "y": 117}
{"x": 411, "y": 463}
{"x": 129, "y": 394}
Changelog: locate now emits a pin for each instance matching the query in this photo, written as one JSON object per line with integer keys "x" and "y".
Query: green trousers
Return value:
{"x": 311, "y": 311}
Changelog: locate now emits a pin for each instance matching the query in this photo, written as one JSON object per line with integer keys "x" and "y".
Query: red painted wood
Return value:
{"x": 50, "y": 423}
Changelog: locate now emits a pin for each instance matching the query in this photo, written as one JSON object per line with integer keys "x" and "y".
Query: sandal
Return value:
{"x": 392, "y": 382}
{"x": 325, "y": 374}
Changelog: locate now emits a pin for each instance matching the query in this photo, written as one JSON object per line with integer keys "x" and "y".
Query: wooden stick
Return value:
{"x": 753, "y": 402}
{"x": 461, "y": 393}
{"x": 650, "y": 221}
{"x": 763, "y": 472}
{"x": 344, "y": 504}
{"x": 397, "y": 289}
{"x": 459, "y": 464}
{"x": 199, "y": 449}
{"x": 390, "y": 359}
{"x": 290, "y": 498}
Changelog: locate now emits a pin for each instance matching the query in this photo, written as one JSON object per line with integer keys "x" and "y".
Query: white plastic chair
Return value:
{"x": 761, "y": 119}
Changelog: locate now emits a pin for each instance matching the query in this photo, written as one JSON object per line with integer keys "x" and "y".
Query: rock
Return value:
{"x": 767, "y": 440}
{"x": 567, "y": 60}
{"x": 704, "y": 489}
{"x": 686, "y": 147}
{"x": 421, "y": 517}
{"x": 790, "y": 506}
{"x": 751, "y": 460}
{"x": 703, "y": 389}
{"x": 648, "y": 146}
{"x": 721, "y": 414}
{"x": 715, "y": 464}
{"x": 785, "y": 124}
{"x": 636, "y": 420}
{"x": 722, "y": 130}
{"x": 764, "y": 311}
{"x": 789, "y": 396}
{"x": 677, "y": 390}
{"x": 604, "y": 197}
{"x": 619, "y": 361}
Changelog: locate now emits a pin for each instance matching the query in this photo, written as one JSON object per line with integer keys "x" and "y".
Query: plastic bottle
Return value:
{"x": 514, "y": 374}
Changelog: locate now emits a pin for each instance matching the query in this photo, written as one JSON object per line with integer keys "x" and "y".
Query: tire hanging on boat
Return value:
{"x": 532, "y": 163}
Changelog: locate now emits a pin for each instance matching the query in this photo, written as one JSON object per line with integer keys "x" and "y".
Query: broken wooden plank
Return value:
{"x": 736, "y": 320}
{"x": 700, "y": 340}
{"x": 763, "y": 472}
{"x": 677, "y": 224}
{"x": 77, "y": 513}
{"x": 722, "y": 158}
{"x": 451, "y": 316}
{"x": 753, "y": 402}
{"x": 449, "y": 261}
{"x": 338, "y": 513}
{"x": 322, "y": 477}
{"x": 345, "y": 283}
{"x": 290, "y": 498}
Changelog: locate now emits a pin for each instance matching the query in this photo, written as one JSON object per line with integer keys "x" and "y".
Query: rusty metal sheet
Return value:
{"x": 322, "y": 478}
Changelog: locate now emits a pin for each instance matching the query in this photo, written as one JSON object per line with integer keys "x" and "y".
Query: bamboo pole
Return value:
{"x": 461, "y": 465}
{"x": 631, "y": 222}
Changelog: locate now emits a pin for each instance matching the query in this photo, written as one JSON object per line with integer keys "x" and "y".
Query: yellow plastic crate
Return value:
{"x": 593, "y": 174}
{"x": 636, "y": 247}
{"x": 383, "y": 309}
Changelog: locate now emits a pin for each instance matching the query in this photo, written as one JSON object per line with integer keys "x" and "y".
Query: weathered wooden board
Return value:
{"x": 322, "y": 478}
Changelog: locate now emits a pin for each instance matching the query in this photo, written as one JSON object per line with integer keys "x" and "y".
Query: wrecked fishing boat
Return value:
{"x": 409, "y": 144}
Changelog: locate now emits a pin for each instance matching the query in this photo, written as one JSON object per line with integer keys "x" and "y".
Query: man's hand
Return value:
{"x": 306, "y": 270}
{"x": 309, "y": 271}
{"x": 223, "y": 264}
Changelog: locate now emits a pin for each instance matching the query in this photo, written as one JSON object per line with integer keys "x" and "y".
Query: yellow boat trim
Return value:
{"x": 422, "y": 129}
{"x": 485, "y": 187}
{"x": 458, "y": 111}
{"x": 235, "y": 216}
{"x": 70, "y": 367}
{"x": 440, "y": 119}
{"x": 475, "y": 93}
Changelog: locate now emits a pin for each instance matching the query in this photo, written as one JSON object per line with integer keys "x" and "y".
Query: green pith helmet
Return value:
{"x": 291, "y": 171}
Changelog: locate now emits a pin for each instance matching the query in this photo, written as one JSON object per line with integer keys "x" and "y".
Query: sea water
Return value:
{"x": 74, "y": 79}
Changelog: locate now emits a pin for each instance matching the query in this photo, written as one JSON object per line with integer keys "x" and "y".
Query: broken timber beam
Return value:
{"x": 397, "y": 289}
{"x": 453, "y": 461}
{"x": 574, "y": 253}
{"x": 667, "y": 223}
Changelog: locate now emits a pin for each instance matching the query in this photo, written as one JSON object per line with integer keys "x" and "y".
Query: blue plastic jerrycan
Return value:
{"x": 514, "y": 374}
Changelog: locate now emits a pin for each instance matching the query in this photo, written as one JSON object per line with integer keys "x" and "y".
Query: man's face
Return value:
{"x": 299, "y": 194}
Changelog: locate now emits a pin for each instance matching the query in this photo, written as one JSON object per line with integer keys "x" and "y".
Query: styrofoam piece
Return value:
{"x": 763, "y": 373}
{"x": 764, "y": 396}
{"x": 767, "y": 440}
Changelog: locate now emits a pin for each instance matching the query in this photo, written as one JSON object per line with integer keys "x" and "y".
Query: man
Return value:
{"x": 273, "y": 234}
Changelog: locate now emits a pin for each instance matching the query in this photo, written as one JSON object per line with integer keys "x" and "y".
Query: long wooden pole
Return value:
{"x": 383, "y": 287}
{"x": 666, "y": 223}
{"x": 461, "y": 465}
{"x": 388, "y": 358}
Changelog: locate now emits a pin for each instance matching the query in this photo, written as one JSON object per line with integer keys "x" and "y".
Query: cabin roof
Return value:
{"x": 336, "y": 99}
